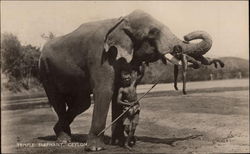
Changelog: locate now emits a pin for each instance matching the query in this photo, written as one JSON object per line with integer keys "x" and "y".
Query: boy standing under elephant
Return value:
{"x": 127, "y": 97}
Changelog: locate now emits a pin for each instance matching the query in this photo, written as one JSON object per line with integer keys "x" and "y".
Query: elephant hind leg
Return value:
{"x": 77, "y": 104}
{"x": 58, "y": 102}
{"x": 61, "y": 130}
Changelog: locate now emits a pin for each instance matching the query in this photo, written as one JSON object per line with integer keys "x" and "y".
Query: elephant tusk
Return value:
{"x": 172, "y": 59}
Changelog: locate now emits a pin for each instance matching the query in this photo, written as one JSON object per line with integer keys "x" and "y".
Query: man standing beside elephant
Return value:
{"x": 127, "y": 98}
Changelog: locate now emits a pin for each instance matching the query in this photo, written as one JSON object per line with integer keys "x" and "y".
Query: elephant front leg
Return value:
{"x": 102, "y": 98}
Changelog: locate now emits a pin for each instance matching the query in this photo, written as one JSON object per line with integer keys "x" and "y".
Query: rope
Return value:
{"x": 121, "y": 19}
{"x": 128, "y": 109}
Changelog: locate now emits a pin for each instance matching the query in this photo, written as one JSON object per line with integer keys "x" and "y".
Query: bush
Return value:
{"x": 19, "y": 63}
{"x": 11, "y": 53}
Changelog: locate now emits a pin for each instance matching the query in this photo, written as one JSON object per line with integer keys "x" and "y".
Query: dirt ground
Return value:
{"x": 210, "y": 120}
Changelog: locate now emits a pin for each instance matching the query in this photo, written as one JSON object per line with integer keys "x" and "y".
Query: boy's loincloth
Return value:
{"x": 129, "y": 118}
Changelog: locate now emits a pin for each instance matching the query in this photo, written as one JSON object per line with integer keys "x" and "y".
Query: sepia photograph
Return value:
{"x": 124, "y": 77}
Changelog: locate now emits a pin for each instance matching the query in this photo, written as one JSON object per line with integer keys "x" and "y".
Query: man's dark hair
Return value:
{"x": 178, "y": 49}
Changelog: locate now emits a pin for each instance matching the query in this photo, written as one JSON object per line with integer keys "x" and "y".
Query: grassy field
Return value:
{"x": 213, "y": 119}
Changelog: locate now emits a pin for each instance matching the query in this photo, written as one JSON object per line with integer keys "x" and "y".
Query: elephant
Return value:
{"x": 87, "y": 61}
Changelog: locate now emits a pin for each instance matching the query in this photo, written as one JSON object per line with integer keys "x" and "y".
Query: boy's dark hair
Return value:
{"x": 178, "y": 48}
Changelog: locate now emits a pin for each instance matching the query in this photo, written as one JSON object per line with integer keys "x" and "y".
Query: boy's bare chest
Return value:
{"x": 129, "y": 94}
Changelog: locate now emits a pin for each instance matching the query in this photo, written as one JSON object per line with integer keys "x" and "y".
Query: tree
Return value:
{"x": 19, "y": 63}
{"x": 29, "y": 63}
{"x": 11, "y": 52}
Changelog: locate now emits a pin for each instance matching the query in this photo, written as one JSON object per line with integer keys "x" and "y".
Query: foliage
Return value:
{"x": 10, "y": 50}
{"x": 19, "y": 63}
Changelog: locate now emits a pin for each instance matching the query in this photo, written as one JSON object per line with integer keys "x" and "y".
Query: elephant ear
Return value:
{"x": 118, "y": 38}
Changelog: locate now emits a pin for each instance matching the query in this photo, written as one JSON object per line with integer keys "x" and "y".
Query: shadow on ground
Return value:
{"x": 82, "y": 138}
{"x": 169, "y": 141}
{"x": 75, "y": 138}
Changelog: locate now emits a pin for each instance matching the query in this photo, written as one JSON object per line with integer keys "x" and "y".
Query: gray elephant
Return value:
{"x": 88, "y": 59}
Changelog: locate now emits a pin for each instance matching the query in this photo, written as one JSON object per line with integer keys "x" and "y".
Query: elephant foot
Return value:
{"x": 93, "y": 148}
{"x": 58, "y": 129}
{"x": 63, "y": 135}
{"x": 94, "y": 143}
{"x": 63, "y": 138}
{"x": 128, "y": 147}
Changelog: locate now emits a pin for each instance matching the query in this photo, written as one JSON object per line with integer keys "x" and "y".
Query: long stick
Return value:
{"x": 128, "y": 109}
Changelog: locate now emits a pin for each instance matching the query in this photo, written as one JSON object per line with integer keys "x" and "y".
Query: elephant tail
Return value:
{"x": 44, "y": 75}
{"x": 43, "y": 69}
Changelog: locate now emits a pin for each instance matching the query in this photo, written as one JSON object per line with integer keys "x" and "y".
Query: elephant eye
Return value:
{"x": 110, "y": 38}
{"x": 154, "y": 33}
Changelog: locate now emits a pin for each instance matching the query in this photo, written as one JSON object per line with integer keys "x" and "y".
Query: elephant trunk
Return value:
{"x": 197, "y": 48}
{"x": 167, "y": 43}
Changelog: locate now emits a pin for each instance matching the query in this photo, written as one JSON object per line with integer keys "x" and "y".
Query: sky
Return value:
{"x": 226, "y": 21}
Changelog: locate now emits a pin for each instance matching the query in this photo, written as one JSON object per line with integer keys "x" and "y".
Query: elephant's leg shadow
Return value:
{"x": 169, "y": 141}
{"x": 80, "y": 138}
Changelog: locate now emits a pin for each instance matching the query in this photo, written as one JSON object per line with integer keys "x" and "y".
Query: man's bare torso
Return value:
{"x": 129, "y": 94}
